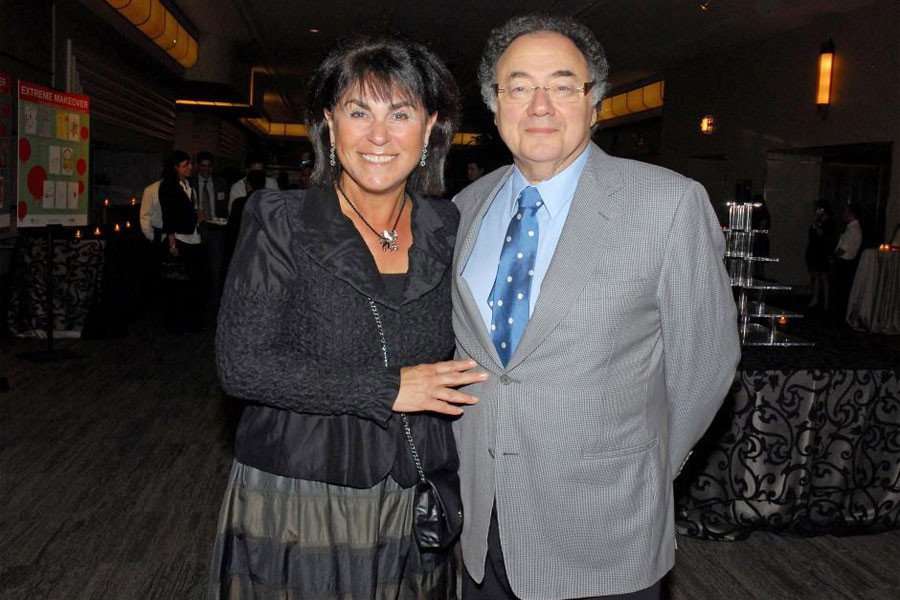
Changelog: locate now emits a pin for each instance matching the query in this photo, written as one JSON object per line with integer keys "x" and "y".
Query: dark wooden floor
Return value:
{"x": 112, "y": 467}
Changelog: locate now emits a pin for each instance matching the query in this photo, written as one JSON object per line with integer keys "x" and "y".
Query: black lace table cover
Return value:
{"x": 77, "y": 279}
{"x": 805, "y": 452}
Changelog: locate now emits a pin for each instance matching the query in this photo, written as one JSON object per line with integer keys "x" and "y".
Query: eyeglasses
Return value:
{"x": 558, "y": 92}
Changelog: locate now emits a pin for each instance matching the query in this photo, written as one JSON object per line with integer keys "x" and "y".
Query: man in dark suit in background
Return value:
{"x": 211, "y": 189}
{"x": 212, "y": 192}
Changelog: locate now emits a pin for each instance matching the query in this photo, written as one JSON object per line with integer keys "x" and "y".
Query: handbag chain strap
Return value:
{"x": 406, "y": 430}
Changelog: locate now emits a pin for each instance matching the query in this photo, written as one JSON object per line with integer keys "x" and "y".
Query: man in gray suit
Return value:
{"x": 592, "y": 290}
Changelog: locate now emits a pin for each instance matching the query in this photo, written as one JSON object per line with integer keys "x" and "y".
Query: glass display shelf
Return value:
{"x": 759, "y": 324}
{"x": 760, "y": 285}
{"x": 757, "y": 334}
{"x": 767, "y": 259}
{"x": 761, "y": 309}
{"x": 750, "y": 231}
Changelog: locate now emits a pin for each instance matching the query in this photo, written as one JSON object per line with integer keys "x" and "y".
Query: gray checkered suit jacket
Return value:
{"x": 630, "y": 350}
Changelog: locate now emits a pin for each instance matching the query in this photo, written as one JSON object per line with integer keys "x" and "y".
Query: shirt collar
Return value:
{"x": 557, "y": 191}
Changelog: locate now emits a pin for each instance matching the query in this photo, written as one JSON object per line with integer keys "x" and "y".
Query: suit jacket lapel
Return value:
{"x": 593, "y": 213}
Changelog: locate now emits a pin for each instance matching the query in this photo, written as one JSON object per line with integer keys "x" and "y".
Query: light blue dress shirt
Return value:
{"x": 557, "y": 193}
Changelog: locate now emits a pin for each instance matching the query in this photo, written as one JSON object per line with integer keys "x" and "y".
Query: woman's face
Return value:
{"x": 184, "y": 169}
{"x": 377, "y": 141}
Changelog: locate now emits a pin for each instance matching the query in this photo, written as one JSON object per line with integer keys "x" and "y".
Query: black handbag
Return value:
{"x": 437, "y": 510}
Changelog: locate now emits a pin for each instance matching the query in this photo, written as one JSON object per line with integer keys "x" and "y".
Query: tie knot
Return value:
{"x": 530, "y": 198}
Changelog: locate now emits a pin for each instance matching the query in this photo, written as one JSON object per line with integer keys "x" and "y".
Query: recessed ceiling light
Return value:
{"x": 314, "y": 30}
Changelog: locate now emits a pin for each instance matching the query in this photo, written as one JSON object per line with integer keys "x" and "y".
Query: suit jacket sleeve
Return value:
{"x": 699, "y": 323}
{"x": 257, "y": 355}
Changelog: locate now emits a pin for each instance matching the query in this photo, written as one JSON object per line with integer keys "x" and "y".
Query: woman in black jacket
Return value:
{"x": 183, "y": 266}
{"x": 335, "y": 319}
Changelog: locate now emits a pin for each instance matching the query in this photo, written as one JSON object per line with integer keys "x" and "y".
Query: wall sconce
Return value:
{"x": 157, "y": 23}
{"x": 823, "y": 86}
{"x": 708, "y": 125}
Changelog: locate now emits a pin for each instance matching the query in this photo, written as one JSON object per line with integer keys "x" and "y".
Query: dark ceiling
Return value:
{"x": 641, "y": 37}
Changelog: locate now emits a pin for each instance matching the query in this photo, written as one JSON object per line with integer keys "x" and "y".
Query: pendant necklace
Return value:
{"x": 388, "y": 237}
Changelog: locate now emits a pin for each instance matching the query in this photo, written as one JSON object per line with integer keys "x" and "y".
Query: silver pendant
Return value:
{"x": 389, "y": 240}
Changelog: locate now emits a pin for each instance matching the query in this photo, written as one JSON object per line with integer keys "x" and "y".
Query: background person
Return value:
{"x": 846, "y": 259}
{"x": 238, "y": 189}
{"x": 256, "y": 180}
{"x": 211, "y": 190}
{"x": 821, "y": 241}
{"x": 474, "y": 170}
{"x": 183, "y": 300}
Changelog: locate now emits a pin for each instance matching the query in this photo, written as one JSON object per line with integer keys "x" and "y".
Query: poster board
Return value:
{"x": 53, "y": 154}
{"x": 5, "y": 148}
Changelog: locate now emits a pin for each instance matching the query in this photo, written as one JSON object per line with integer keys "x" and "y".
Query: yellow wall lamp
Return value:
{"x": 157, "y": 23}
{"x": 823, "y": 87}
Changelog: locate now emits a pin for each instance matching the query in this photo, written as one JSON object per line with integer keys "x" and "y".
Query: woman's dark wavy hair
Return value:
{"x": 504, "y": 35}
{"x": 384, "y": 67}
{"x": 173, "y": 160}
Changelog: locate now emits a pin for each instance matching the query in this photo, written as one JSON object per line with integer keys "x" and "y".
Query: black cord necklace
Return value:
{"x": 388, "y": 237}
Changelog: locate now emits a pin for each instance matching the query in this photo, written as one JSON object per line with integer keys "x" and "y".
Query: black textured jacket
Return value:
{"x": 178, "y": 213}
{"x": 298, "y": 340}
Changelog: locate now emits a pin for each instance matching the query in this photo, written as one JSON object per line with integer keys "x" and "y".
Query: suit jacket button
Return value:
{"x": 505, "y": 380}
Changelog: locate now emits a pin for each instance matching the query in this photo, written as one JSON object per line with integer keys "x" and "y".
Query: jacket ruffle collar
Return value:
{"x": 321, "y": 231}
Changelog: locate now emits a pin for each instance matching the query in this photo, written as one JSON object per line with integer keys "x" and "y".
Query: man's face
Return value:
{"x": 303, "y": 180}
{"x": 473, "y": 171}
{"x": 544, "y": 136}
{"x": 204, "y": 167}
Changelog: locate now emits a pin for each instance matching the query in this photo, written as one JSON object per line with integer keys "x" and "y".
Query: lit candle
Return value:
{"x": 96, "y": 231}
{"x": 127, "y": 224}
{"x": 782, "y": 320}
{"x": 106, "y": 203}
{"x": 78, "y": 234}
{"x": 116, "y": 228}
{"x": 133, "y": 202}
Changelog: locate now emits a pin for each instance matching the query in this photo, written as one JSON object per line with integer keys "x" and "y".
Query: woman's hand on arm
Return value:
{"x": 430, "y": 387}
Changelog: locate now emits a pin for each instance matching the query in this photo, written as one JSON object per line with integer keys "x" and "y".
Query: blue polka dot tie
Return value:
{"x": 511, "y": 294}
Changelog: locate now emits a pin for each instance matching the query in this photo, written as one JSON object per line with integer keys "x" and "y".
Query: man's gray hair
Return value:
{"x": 501, "y": 37}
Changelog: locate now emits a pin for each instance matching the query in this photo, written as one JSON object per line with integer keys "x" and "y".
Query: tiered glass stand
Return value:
{"x": 759, "y": 323}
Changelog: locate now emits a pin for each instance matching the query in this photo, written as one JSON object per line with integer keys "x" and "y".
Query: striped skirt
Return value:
{"x": 294, "y": 539}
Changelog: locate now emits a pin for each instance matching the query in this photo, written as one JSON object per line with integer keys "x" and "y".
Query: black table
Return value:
{"x": 797, "y": 451}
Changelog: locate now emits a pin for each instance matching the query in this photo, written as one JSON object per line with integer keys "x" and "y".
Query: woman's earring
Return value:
{"x": 424, "y": 155}
{"x": 331, "y": 160}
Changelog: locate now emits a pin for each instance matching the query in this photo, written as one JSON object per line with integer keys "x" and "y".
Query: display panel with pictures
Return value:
{"x": 53, "y": 155}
